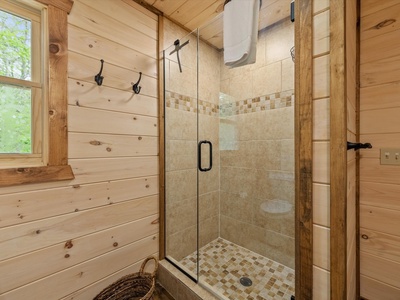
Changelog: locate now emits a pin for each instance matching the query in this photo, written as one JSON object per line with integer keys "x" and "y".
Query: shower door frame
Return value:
{"x": 303, "y": 149}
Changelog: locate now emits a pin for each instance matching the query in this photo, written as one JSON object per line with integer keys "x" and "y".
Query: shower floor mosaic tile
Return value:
{"x": 223, "y": 263}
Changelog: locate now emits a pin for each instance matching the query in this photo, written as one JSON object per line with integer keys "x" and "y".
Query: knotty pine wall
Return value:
{"x": 379, "y": 125}
{"x": 321, "y": 161}
{"x": 68, "y": 240}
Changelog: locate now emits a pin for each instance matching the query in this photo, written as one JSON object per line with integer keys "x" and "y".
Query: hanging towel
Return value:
{"x": 240, "y": 32}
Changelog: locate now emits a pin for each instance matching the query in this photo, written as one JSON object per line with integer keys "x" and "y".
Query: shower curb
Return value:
{"x": 179, "y": 285}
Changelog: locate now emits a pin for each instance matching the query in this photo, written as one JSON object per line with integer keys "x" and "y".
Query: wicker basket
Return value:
{"x": 136, "y": 286}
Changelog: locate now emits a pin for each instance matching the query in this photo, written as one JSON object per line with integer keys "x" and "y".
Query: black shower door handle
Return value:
{"x": 199, "y": 156}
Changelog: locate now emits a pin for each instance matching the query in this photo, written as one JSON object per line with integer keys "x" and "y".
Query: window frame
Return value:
{"x": 37, "y": 15}
{"x": 57, "y": 167}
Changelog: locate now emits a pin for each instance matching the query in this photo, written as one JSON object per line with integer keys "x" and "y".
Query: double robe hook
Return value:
{"x": 136, "y": 88}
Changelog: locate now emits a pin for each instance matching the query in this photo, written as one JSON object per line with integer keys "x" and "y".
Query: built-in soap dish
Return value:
{"x": 276, "y": 206}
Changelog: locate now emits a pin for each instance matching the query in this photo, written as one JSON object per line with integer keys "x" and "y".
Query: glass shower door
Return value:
{"x": 208, "y": 155}
{"x": 246, "y": 200}
{"x": 180, "y": 82}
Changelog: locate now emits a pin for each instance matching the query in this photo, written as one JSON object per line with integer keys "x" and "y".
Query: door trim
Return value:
{"x": 339, "y": 72}
{"x": 303, "y": 149}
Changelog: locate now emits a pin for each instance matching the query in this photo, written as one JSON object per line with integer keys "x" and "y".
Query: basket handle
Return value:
{"x": 144, "y": 265}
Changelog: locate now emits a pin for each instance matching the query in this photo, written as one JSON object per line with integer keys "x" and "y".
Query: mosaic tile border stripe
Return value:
{"x": 267, "y": 102}
{"x": 186, "y": 103}
{"x": 229, "y": 107}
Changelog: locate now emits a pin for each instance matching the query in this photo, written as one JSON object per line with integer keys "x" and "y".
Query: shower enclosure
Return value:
{"x": 229, "y": 164}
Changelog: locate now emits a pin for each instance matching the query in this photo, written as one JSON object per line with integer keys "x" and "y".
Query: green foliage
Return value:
{"x": 15, "y": 120}
{"x": 15, "y": 46}
{"x": 15, "y": 102}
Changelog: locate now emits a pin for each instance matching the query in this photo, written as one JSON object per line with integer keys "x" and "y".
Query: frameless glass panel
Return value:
{"x": 15, "y": 120}
{"x": 180, "y": 75}
{"x": 209, "y": 139}
{"x": 15, "y": 46}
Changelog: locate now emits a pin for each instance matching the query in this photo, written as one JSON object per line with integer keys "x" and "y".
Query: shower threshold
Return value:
{"x": 223, "y": 264}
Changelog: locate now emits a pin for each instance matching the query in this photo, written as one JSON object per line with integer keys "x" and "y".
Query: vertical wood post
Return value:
{"x": 303, "y": 149}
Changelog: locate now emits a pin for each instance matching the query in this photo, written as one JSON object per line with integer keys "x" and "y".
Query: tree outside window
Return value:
{"x": 15, "y": 101}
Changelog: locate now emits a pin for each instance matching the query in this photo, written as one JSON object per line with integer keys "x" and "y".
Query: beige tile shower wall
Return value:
{"x": 321, "y": 136}
{"x": 183, "y": 127}
{"x": 69, "y": 240}
{"x": 257, "y": 165}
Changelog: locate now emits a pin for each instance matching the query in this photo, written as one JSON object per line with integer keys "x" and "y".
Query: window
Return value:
{"x": 33, "y": 91}
{"x": 22, "y": 85}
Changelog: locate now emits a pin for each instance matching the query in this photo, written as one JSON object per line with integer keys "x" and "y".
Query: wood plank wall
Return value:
{"x": 379, "y": 125}
{"x": 321, "y": 161}
{"x": 68, "y": 240}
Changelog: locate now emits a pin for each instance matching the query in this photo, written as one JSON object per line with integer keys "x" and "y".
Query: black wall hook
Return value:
{"x": 357, "y": 146}
{"x": 98, "y": 78}
{"x": 136, "y": 88}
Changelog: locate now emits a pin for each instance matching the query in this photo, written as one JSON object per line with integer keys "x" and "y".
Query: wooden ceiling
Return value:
{"x": 207, "y": 14}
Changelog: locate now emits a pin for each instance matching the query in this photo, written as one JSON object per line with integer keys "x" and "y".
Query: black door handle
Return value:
{"x": 199, "y": 156}
{"x": 357, "y": 146}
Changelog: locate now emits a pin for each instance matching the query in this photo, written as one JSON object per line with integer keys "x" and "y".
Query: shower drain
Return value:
{"x": 245, "y": 281}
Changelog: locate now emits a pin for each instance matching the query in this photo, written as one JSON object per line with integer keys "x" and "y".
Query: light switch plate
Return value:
{"x": 390, "y": 156}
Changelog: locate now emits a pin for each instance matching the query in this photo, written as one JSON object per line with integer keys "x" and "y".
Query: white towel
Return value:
{"x": 240, "y": 32}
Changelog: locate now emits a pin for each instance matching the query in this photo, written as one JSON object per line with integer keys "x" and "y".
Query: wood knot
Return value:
{"x": 54, "y": 48}
{"x": 38, "y": 231}
{"x": 90, "y": 46}
{"x": 67, "y": 255}
{"x": 68, "y": 244}
{"x": 95, "y": 143}
{"x": 365, "y": 237}
{"x": 20, "y": 170}
{"x": 108, "y": 149}
{"x": 115, "y": 244}
{"x": 385, "y": 23}
{"x": 147, "y": 186}
{"x": 51, "y": 112}
{"x": 76, "y": 186}
{"x": 156, "y": 221}
{"x": 140, "y": 138}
